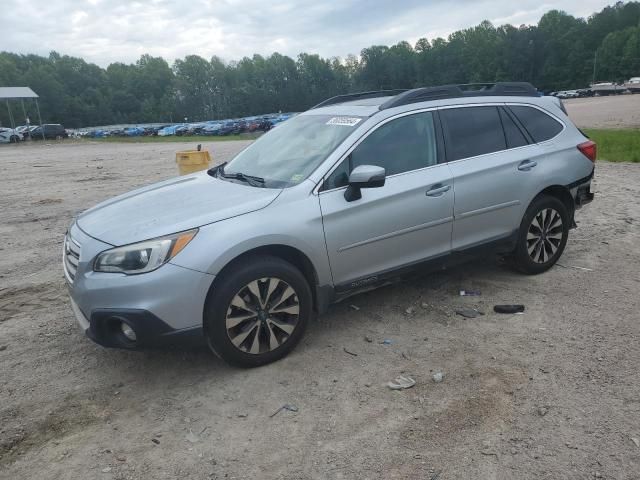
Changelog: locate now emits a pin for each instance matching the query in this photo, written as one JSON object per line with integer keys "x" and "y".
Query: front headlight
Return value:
{"x": 142, "y": 257}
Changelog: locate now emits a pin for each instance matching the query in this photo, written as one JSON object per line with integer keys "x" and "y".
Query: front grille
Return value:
{"x": 71, "y": 257}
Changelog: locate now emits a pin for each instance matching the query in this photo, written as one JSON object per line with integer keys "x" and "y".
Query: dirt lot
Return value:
{"x": 553, "y": 393}
{"x": 621, "y": 111}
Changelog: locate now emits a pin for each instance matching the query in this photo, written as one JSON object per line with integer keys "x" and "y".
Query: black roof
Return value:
{"x": 405, "y": 97}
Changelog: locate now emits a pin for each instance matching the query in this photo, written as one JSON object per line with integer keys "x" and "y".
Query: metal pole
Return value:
{"x": 27, "y": 134}
{"x": 24, "y": 111}
{"x": 595, "y": 60}
{"x": 13, "y": 123}
{"x": 40, "y": 119}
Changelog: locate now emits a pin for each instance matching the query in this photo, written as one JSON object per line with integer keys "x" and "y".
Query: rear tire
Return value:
{"x": 543, "y": 235}
{"x": 257, "y": 311}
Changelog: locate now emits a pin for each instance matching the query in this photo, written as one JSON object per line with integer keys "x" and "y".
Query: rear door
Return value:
{"x": 489, "y": 157}
{"x": 407, "y": 220}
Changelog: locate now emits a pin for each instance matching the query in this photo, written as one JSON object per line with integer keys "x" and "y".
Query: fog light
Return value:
{"x": 128, "y": 332}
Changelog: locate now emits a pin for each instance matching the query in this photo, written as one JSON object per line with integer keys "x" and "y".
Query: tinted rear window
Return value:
{"x": 512, "y": 133}
{"x": 540, "y": 126}
{"x": 472, "y": 131}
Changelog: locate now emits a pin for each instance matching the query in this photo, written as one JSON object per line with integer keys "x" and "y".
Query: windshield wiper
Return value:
{"x": 250, "y": 179}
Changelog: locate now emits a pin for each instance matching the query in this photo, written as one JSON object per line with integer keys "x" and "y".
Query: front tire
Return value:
{"x": 543, "y": 235}
{"x": 257, "y": 311}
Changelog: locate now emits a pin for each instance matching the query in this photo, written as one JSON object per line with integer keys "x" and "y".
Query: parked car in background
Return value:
{"x": 134, "y": 131}
{"x": 169, "y": 130}
{"x": 25, "y": 131}
{"x": 344, "y": 197}
{"x": 52, "y": 131}
{"x": 265, "y": 125}
{"x": 258, "y": 123}
{"x": 227, "y": 128}
{"x": 9, "y": 135}
{"x": 182, "y": 130}
{"x": 211, "y": 129}
{"x": 97, "y": 133}
{"x": 633, "y": 85}
{"x": 567, "y": 94}
{"x": 607, "y": 88}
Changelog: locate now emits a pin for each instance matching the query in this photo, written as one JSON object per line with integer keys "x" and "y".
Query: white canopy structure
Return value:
{"x": 19, "y": 93}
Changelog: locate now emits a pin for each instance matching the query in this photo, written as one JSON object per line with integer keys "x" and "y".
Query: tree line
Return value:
{"x": 557, "y": 53}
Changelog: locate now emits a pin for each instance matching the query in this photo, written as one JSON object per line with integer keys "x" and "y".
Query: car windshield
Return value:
{"x": 289, "y": 153}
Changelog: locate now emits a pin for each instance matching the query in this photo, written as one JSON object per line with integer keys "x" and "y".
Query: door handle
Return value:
{"x": 438, "y": 190}
{"x": 527, "y": 165}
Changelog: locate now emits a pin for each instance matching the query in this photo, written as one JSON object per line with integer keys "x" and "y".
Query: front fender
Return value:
{"x": 293, "y": 223}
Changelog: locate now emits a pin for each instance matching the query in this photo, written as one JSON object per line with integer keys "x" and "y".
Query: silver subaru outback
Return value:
{"x": 345, "y": 196}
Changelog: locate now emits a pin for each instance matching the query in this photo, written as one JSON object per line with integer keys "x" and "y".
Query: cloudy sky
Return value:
{"x": 104, "y": 31}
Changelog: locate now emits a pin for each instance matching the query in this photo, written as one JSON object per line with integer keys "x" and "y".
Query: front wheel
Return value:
{"x": 257, "y": 311}
{"x": 543, "y": 235}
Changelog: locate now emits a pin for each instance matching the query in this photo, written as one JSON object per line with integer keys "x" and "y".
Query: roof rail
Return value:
{"x": 357, "y": 96}
{"x": 520, "y": 89}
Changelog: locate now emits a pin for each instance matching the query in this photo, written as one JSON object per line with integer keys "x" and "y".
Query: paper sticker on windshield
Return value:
{"x": 344, "y": 121}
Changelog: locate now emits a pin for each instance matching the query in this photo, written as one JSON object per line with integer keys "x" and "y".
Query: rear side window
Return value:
{"x": 512, "y": 134}
{"x": 472, "y": 131}
{"x": 540, "y": 126}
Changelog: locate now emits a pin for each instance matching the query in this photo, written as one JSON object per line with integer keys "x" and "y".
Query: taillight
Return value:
{"x": 589, "y": 149}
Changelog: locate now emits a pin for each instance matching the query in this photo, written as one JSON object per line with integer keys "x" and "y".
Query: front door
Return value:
{"x": 406, "y": 221}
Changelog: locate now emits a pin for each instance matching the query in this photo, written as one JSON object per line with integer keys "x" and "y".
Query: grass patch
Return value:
{"x": 616, "y": 145}
{"x": 175, "y": 139}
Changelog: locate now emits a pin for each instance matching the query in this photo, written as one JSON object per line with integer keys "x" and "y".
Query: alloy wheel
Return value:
{"x": 262, "y": 315}
{"x": 544, "y": 235}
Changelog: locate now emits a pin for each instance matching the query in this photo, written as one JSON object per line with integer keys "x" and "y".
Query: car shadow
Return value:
{"x": 189, "y": 364}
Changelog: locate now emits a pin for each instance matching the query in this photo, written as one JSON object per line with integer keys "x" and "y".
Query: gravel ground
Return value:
{"x": 553, "y": 393}
{"x": 620, "y": 111}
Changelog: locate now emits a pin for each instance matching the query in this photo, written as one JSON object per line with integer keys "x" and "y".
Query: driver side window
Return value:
{"x": 401, "y": 145}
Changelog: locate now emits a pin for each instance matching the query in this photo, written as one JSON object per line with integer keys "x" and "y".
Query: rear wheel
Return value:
{"x": 543, "y": 235}
{"x": 257, "y": 311}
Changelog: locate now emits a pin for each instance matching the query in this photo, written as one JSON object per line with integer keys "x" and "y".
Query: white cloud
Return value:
{"x": 120, "y": 30}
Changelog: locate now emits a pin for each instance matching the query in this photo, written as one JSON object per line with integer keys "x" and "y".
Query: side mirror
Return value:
{"x": 364, "y": 176}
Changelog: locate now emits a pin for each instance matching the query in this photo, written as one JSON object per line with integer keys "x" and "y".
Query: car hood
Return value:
{"x": 171, "y": 206}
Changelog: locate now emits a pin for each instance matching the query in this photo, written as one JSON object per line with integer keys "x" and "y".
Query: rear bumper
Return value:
{"x": 581, "y": 190}
{"x": 584, "y": 195}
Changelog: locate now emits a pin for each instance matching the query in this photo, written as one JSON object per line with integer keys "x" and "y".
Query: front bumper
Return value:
{"x": 162, "y": 307}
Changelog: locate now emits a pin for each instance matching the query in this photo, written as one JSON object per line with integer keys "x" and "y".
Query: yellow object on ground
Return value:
{"x": 191, "y": 161}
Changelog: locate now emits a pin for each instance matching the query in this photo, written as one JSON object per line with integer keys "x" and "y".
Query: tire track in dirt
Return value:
{"x": 28, "y": 299}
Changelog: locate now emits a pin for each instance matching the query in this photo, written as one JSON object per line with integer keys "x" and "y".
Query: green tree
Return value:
{"x": 557, "y": 53}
